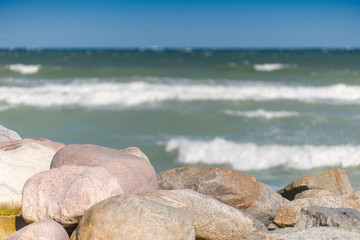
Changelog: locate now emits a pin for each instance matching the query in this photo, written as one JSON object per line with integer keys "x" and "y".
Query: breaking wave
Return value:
{"x": 260, "y": 113}
{"x": 249, "y": 156}
{"x": 24, "y": 69}
{"x": 129, "y": 94}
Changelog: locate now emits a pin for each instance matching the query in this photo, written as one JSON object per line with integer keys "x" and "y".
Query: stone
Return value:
{"x": 137, "y": 216}
{"x": 9, "y": 145}
{"x": 353, "y": 198}
{"x": 335, "y": 181}
{"x": 236, "y": 189}
{"x": 134, "y": 173}
{"x": 7, "y": 134}
{"x": 18, "y": 162}
{"x": 64, "y": 194}
{"x": 318, "y": 233}
{"x": 51, "y": 144}
{"x": 135, "y": 151}
{"x": 41, "y": 230}
{"x": 211, "y": 218}
{"x": 288, "y": 214}
{"x": 217, "y": 221}
{"x": 312, "y": 193}
{"x": 316, "y": 216}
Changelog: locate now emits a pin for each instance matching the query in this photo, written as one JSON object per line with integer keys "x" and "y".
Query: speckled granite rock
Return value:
{"x": 41, "y": 230}
{"x": 288, "y": 214}
{"x": 153, "y": 215}
{"x": 236, "y": 189}
{"x": 335, "y": 181}
{"x": 134, "y": 173}
{"x": 316, "y": 216}
{"x": 64, "y": 194}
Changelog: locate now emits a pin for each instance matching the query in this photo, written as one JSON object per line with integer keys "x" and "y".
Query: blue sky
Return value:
{"x": 226, "y": 23}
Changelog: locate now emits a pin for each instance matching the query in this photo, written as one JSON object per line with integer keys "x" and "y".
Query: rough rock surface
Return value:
{"x": 134, "y": 173}
{"x": 288, "y": 214}
{"x": 212, "y": 219}
{"x": 236, "y": 189}
{"x": 335, "y": 181}
{"x": 215, "y": 220}
{"x": 318, "y": 233}
{"x": 21, "y": 160}
{"x": 312, "y": 193}
{"x": 316, "y": 216}
{"x": 353, "y": 198}
{"x": 135, "y": 151}
{"x": 41, "y": 230}
{"x": 64, "y": 194}
{"x": 137, "y": 216}
{"x": 9, "y": 145}
{"x": 7, "y": 134}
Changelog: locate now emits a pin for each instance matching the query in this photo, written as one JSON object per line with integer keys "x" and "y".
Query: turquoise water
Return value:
{"x": 275, "y": 114}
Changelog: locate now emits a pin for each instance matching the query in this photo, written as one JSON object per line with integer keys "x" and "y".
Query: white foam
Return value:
{"x": 260, "y": 113}
{"x": 24, "y": 69}
{"x": 269, "y": 67}
{"x": 249, "y": 156}
{"x": 92, "y": 94}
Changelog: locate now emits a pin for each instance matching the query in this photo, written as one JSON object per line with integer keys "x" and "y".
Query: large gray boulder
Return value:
{"x": 316, "y": 216}
{"x": 215, "y": 220}
{"x": 153, "y": 215}
{"x": 134, "y": 173}
{"x": 236, "y": 189}
{"x": 64, "y": 194}
{"x": 41, "y": 230}
{"x": 289, "y": 212}
{"x": 8, "y": 135}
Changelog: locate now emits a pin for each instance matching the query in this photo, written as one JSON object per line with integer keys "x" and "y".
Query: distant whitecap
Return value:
{"x": 269, "y": 67}
{"x": 24, "y": 69}
{"x": 260, "y": 113}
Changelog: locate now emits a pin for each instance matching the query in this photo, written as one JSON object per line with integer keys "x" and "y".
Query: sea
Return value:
{"x": 275, "y": 114}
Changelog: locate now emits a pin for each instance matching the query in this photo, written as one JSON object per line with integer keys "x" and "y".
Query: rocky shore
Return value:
{"x": 83, "y": 191}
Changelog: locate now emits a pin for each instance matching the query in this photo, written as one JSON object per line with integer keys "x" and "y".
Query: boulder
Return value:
{"x": 211, "y": 218}
{"x": 288, "y": 214}
{"x": 48, "y": 143}
{"x": 236, "y": 189}
{"x": 135, "y": 151}
{"x": 137, "y": 216}
{"x": 7, "y": 134}
{"x": 316, "y": 216}
{"x": 312, "y": 193}
{"x": 318, "y": 233}
{"x": 335, "y": 181}
{"x": 134, "y": 173}
{"x": 64, "y": 194}
{"x": 44, "y": 230}
{"x": 353, "y": 198}
{"x": 19, "y": 161}
{"x": 215, "y": 220}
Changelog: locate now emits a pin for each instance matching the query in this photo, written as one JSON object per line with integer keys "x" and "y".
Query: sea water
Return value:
{"x": 275, "y": 114}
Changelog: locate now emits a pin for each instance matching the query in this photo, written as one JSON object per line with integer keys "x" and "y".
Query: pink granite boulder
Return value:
{"x": 64, "y": 194}
{"x": 44, "y": 230}
{"x": 134, "y": 173}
